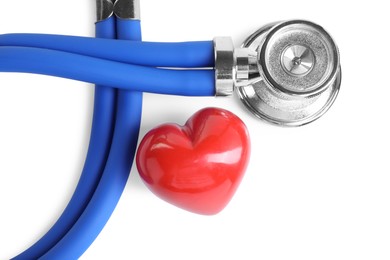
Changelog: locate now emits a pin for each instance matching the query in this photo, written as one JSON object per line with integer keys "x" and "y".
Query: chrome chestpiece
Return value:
{"x": 287, "y": 73}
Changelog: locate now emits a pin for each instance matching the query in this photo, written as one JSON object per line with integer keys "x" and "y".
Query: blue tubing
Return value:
{"x": 99, "y": 146}
{"x": 184, "y": 54}
{"x": 107, "y": 73}
{"x": 113, "y": 181}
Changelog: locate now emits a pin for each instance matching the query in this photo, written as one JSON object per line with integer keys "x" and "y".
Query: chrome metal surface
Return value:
{"x": 311, "y": 36}
{"x": 298, "y": 75}
{"x": 297, "y": 60}
{"x": 127, "y": 9}
{"x": 224, "y": 66}
{"x": 247, "y": 71}
{"x": 104, "y": 9}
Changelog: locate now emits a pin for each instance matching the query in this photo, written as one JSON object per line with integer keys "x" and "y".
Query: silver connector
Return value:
{"x": 104, "y": 9}
{"x": 127, "y": 9}
{"x": 224, "y": 66}
{"x": 233, "y": 67}
{"x": 247, "y": 71}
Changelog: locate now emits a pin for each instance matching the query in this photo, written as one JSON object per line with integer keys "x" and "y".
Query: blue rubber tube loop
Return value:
{"x": 107, "y": 73}
{"x": 99, "y": 146}
{"x": 113, "y": 181}
{"x": 182, "y": 54}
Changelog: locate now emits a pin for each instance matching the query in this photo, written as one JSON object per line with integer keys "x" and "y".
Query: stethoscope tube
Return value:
{"x": 113, "y": 181}
{"x": 99, "y": 147}
{"x": 94, "y": 70}
{"x": 198, "y": 54}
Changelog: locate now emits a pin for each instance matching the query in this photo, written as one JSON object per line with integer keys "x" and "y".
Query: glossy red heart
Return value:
{"x": 198, "y": 166}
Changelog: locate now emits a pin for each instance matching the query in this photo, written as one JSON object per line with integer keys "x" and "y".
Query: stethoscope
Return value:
{"x": 287, "y": 73}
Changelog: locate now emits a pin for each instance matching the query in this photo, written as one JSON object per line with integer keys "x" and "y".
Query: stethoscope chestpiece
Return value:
{"x": 287, "y": 73}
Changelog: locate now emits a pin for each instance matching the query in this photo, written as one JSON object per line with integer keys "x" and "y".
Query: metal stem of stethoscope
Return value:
{"x": 287, "y": 73}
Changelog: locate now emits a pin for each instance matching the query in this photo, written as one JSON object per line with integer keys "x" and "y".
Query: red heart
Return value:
{"x": 198, "y": 166}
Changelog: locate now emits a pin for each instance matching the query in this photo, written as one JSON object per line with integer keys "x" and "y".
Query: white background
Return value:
{"x": 321, "y": 191}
